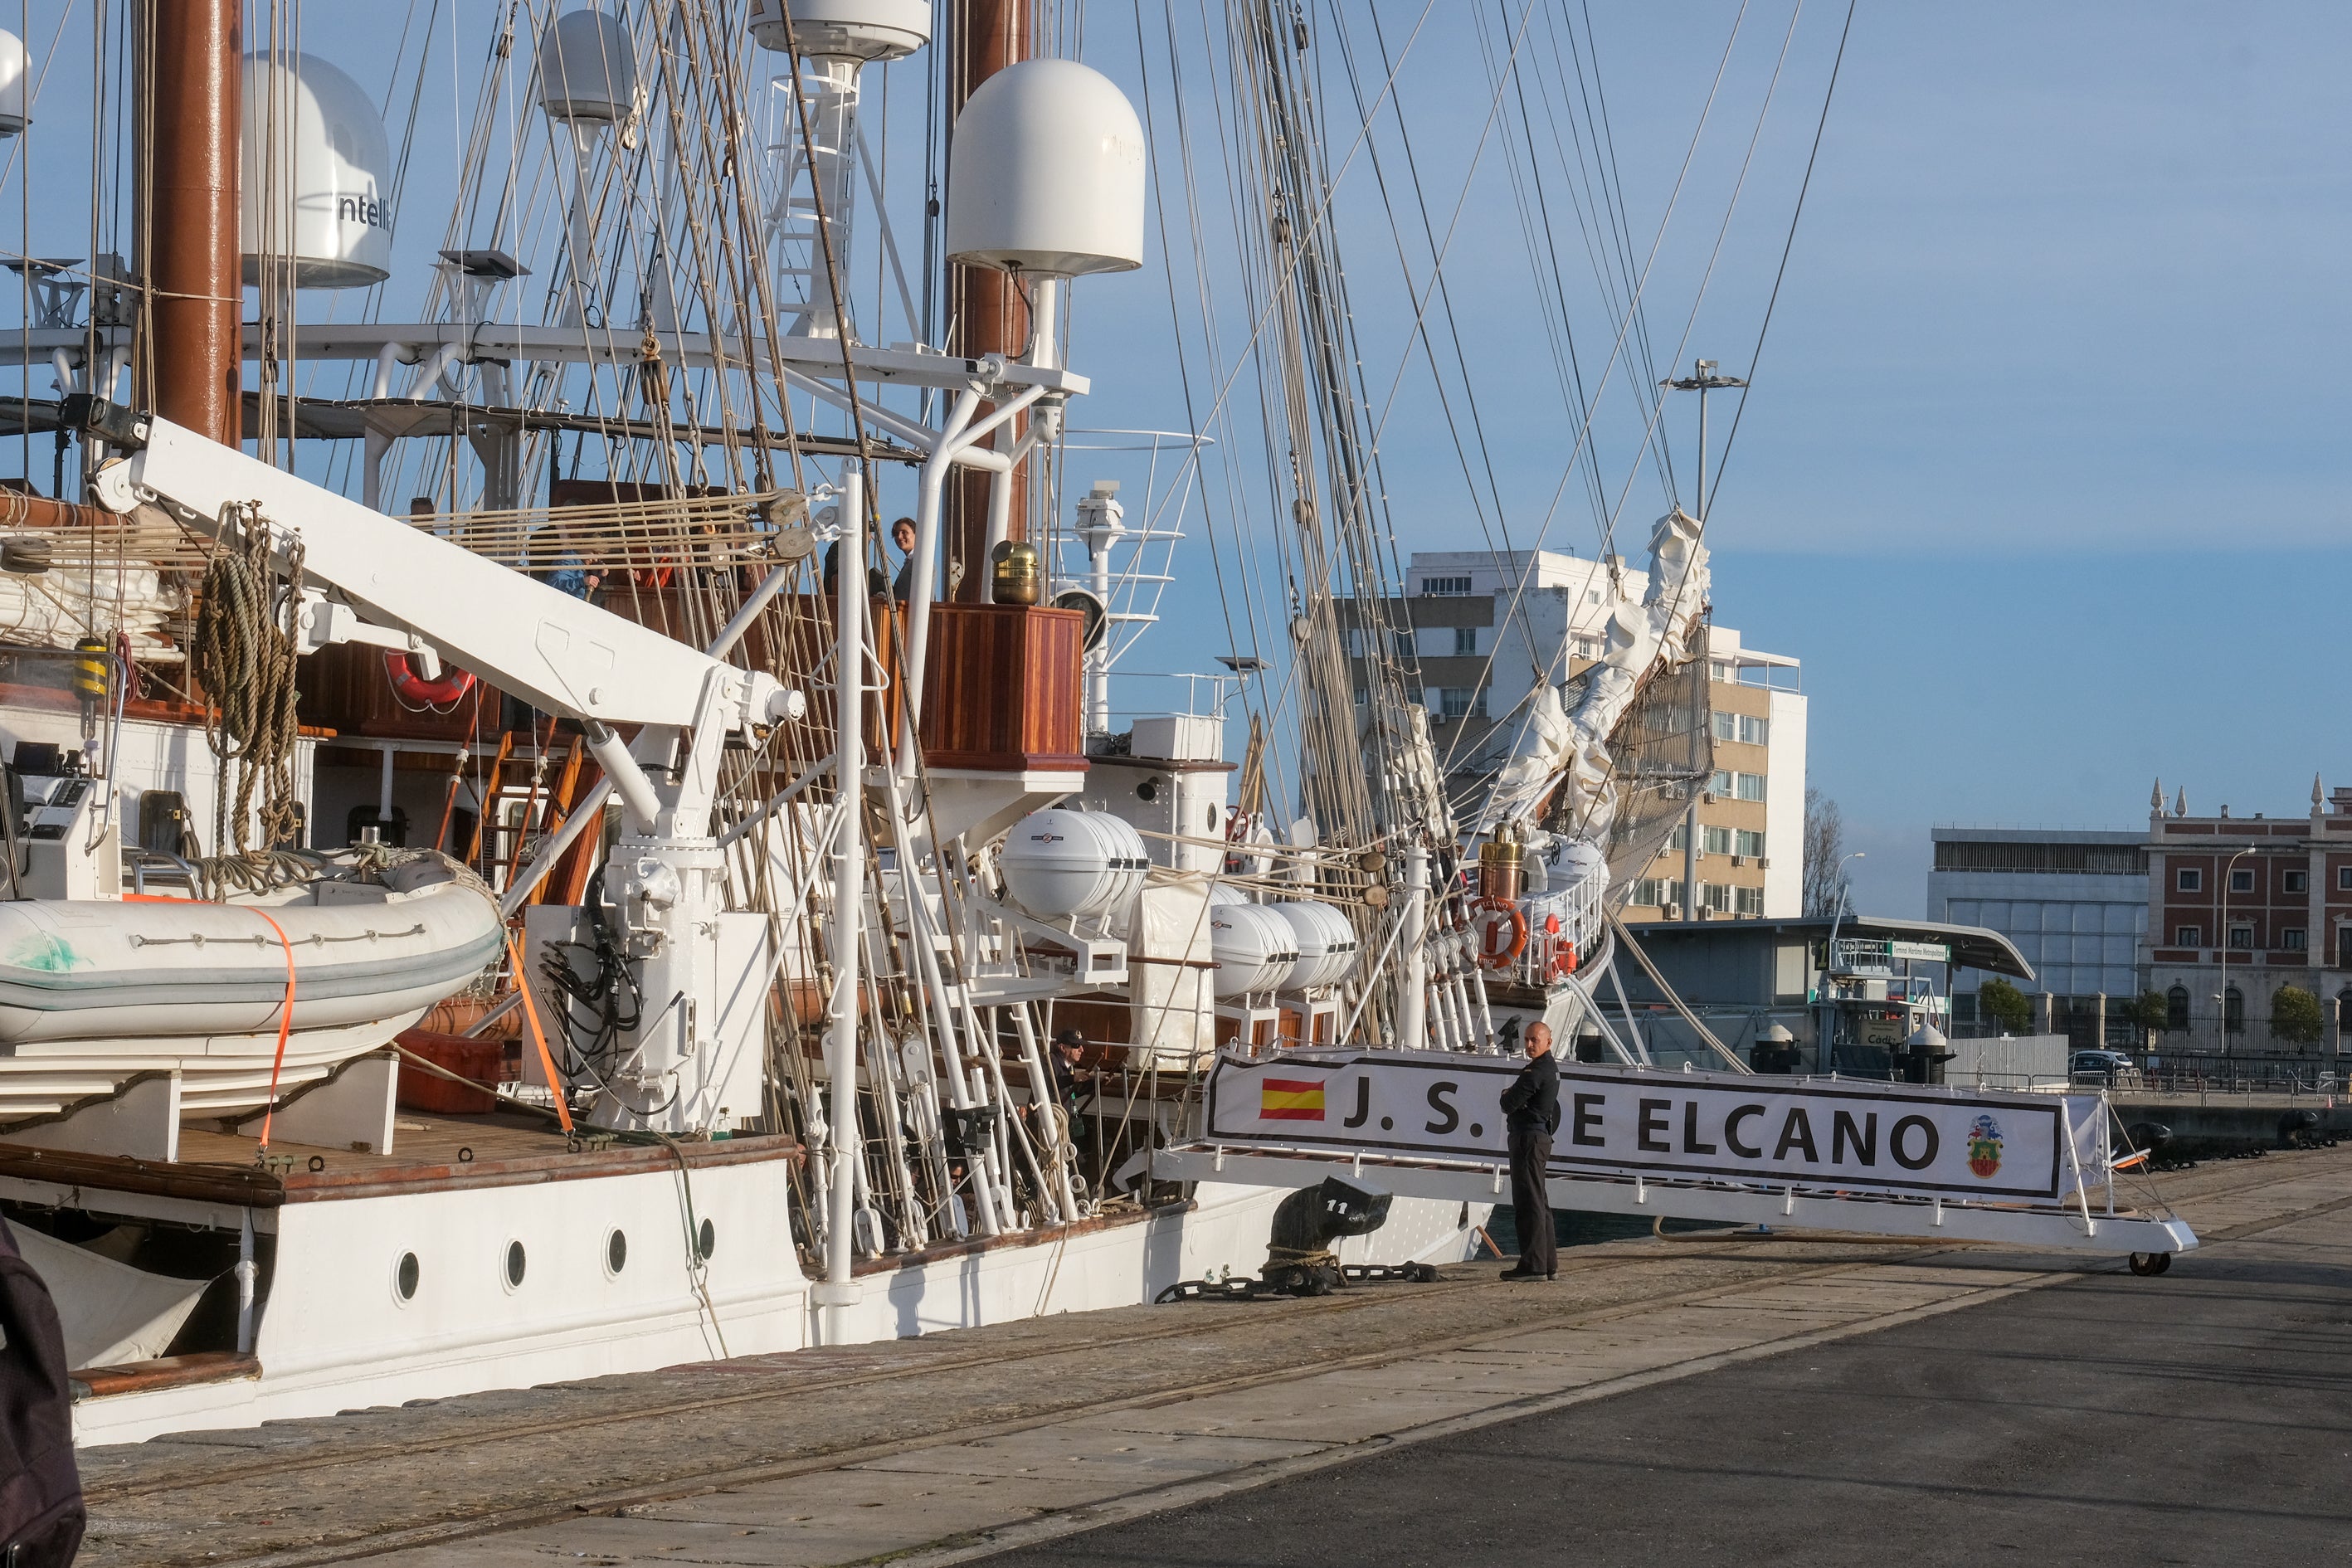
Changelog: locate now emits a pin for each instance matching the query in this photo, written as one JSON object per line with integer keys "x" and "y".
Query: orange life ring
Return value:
{"x": 418, "y": 692}
{"x": 1502, "y": 932}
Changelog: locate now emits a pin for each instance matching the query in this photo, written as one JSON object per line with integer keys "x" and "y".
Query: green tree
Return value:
{"x": 2295, "y": 1016}
{"x": 2147, "y": 1012}
{"x": 2005, "y": 1005}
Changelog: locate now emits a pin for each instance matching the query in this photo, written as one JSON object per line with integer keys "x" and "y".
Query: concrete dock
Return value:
{"x": 1069, "y": 1438}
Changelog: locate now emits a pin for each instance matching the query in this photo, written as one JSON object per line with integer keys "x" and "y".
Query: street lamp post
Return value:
{"x": 1702, "y": 380}
{"x": 1825, "y": 1045}
{"x": 2222, "y": 945}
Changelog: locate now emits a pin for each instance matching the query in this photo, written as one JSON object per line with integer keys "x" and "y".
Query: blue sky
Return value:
{"x": 2042, "y": 477}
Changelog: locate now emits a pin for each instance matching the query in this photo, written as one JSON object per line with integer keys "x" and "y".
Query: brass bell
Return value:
{"x": 1016, "y": 573}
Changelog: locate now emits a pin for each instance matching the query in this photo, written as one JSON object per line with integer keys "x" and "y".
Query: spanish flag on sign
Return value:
{"x": 1290, "y": 1100}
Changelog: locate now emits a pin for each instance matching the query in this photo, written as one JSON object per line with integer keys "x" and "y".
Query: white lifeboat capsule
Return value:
{"x": 1061, "y": 864}
{"x": 1254, "y": 948}
{"x": 1326, "y": 944}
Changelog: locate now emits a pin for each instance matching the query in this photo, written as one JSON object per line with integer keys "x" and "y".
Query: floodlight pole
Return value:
{"x": 1702, "y": 380}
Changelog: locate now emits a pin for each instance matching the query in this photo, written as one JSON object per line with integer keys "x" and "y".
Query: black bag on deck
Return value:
{"x": 41, "y": 1514}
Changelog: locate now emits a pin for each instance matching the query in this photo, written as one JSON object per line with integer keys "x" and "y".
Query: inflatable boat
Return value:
{"x": 94, "y": 991}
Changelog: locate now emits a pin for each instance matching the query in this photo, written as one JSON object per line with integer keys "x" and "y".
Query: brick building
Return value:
{"x": 2241, "y": 907}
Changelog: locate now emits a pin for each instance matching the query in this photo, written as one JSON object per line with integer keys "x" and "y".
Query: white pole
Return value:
{"x": 838, "y": 1292}
{"x": 1412, "y": 993}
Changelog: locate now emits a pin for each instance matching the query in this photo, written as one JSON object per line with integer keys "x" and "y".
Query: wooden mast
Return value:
{"x": 987, "y": 309}
{"x": 191, "y": 127}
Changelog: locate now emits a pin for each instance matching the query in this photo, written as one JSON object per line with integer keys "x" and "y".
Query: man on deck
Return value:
{"x": 1531, "y": 1111}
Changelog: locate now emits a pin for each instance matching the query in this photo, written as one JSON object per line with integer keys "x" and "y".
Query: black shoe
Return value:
{"x": 1520, "y": 1274}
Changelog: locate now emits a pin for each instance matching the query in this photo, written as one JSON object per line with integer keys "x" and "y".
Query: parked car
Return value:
{"x": 2105, "y": 1067}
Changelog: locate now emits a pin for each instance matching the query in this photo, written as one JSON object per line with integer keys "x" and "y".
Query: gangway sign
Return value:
{"x": 1858, "y": 1154}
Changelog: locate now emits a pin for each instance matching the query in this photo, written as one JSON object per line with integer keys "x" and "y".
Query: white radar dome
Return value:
{"x": 843, "y": 29}
{"x": 1059, "y": 864}
{"x": 1326, "y": 944}
{"x": 587, "y": 69}
{"x": 329, "y": 176}
{"x": 1254, "y": 948}
{"x": 15, "y": 69}
{"x": 1047, "y": 174}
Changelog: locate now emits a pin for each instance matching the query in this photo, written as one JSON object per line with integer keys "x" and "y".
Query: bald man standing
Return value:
{"x": 1531, "y": 1115}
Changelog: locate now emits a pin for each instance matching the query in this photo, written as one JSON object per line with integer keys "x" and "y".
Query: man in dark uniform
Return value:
{"x": 1531, "y": 1110}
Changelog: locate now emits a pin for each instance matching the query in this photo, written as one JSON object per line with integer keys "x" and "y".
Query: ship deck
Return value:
{"x": 429, "y": 1152}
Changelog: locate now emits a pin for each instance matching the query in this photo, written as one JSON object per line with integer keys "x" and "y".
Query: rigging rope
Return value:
{"x": 244, "y": 658}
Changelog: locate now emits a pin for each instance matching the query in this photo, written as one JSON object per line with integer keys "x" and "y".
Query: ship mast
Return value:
{"x": 989, "y": 314}
{"x": 189, "y": 146}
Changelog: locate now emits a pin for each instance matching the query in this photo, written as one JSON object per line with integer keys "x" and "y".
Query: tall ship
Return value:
{"x": 585, "y": 792}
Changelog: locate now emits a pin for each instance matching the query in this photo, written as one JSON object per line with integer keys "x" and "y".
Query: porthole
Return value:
{"x": 616, "y": 1252}
{"x": 1148, "y": 790}
{"x": 405, "y": 1275}
{"x": 515, "y": 1263}
{"x": 705, "y": 1240}
{"x": 1212, "y": 816}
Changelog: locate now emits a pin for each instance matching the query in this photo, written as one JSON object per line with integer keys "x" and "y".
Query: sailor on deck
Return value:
{"x": 1531, "y": 1108}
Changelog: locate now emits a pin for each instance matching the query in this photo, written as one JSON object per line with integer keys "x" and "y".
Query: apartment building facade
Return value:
{"x": 1477, "y": 630}
{"x": 2239, "y": 908}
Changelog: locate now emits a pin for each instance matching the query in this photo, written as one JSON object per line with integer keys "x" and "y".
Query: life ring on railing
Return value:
{"x": 1559, "y": 960}
{"x": 1501, "y": 932}
{"x": 418, "y": 692}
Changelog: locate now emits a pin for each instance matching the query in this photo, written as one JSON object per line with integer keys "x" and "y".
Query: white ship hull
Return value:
{"x": 336, "y": 1335}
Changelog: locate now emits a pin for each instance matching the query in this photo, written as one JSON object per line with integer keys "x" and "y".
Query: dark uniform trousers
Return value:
{"x": 1530, "y": 1205}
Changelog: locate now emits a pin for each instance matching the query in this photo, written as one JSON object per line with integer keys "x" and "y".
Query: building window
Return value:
{"x": 1445, "y": 585}
{"x": 2189, "y": 879}
{"x": 1588, "y": 648}
{"x": 1748, "y": 901}
{"x": 1656, "y": 892}
{"x": 1716, "y": 897}
{"x": 1362, "y": 696}
{"x": 1460, "y": 701}
{"x": 2344, "y": 1011}
{"x": 1755, "y": 731}
{"x": 2189, "y": 936}
{"x": 1715, "y": 840}
{"x": 1408, "y": 648}
{"x": 2242, "y": 880}
{"x": 2175, "y": 1007}
{"x": 1751, "y": 785}
{"x": 1748, "y": 841}
{"x": 2242, "y": 939}
{"x": 2233, "y": 1011}
{"x": 1678, "y": 837}
{"x": 2344, "y": 878}
{"x": 1720, "y": 784}
{"x": 2296, "y": 882}
{"x": 2292, "y": 938}
{"x": 1465, "y": 640}
{"x": 1726, "y": 726}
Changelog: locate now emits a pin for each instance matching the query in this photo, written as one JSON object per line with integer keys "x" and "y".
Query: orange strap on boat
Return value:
{"x": 538, "y": 1035}
{"x": 285, "y": 1010}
